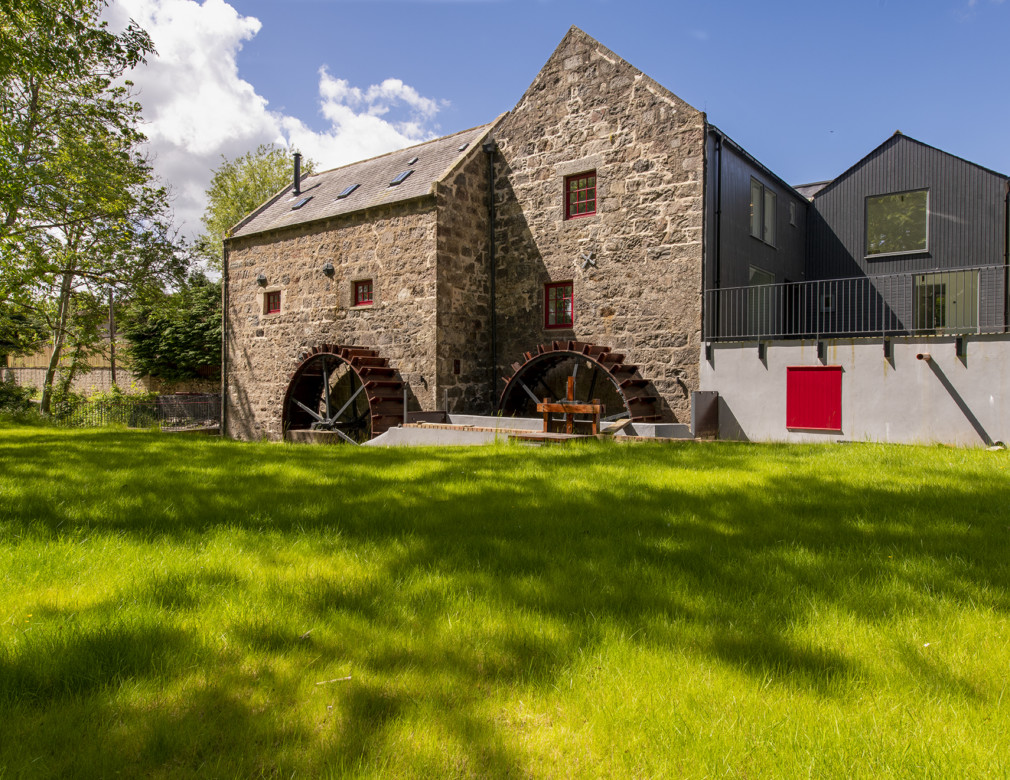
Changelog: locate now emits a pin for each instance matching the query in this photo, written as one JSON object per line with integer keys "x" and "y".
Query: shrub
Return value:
{"x": 15, "y": 400}
{"x": 111, "y": 407}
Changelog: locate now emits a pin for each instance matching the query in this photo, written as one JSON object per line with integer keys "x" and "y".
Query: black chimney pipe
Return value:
{"x": 298, "y": 173}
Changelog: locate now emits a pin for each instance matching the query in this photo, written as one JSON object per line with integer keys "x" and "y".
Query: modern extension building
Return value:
{"x": 896, "y": 330}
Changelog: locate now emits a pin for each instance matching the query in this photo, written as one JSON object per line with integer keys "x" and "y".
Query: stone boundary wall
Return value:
{"x": 946, "y": 399}
{"x": 641, "y": 295}
{"x": 99, "y": 380}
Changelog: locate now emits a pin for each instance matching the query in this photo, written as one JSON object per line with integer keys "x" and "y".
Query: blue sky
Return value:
{"x": 807, "y": 87}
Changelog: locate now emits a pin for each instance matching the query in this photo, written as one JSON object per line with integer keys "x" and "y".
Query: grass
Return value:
{"x": 178, "y": 607}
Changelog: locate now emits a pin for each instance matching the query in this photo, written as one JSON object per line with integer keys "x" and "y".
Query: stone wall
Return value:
{"x": 590, "y": 110}
{"x": 393, "y": 246}
{"x": 99, "y": 380}
{"x": 464, "y": 324}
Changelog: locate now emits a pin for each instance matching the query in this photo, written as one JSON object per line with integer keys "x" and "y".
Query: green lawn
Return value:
{"x": 169, "y": 607}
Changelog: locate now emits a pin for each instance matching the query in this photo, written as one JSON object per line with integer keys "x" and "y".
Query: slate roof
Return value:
{"x": 435, "y": 159}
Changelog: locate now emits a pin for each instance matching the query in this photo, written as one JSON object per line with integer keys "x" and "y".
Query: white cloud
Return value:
{"x": 197, "y": 107}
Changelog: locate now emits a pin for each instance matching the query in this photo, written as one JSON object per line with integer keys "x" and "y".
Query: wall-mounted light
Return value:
{"x": 328, "y": 268}
{"x": 261, "y": 280}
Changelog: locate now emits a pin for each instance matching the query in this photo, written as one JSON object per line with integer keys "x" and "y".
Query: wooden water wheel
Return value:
{"x": 351, "y": 391}
{"x": 598, "y": 373}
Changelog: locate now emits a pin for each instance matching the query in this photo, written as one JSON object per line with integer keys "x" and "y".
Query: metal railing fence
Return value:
{"x": 193, "y": 411}
{"x": 961, "y": 301}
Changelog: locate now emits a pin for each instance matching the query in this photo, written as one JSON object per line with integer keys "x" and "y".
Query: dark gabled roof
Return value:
{"x": 897, "y": 137}
{"x": 754, "y": 161}
{"x": 435, "y": 159}
{"x": 809, "y": 190}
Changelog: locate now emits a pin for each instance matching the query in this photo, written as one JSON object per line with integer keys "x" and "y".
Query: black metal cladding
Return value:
{"x": 922, "y": 292}
{"x": 967, "y": 213}
{"x": 738, "y": 250}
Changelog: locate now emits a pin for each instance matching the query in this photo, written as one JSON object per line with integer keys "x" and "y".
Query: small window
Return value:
{"x": 272, "y": 302}
{"x": 347, "y": 191}
{"x": 580, "y": 195}
{"x": 897, "y": 223}
{"x": 301, "y": 203}
{"x": 559, "y": 305}
{"x": 762, "y": 212}
{"x": 363, "y": 293}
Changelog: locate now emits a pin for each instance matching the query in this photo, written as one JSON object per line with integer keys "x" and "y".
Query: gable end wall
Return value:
{"x": 588, "y": 109}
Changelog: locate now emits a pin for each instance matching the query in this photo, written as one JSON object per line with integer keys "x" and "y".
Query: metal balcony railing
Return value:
{"x": 961, "y": 301}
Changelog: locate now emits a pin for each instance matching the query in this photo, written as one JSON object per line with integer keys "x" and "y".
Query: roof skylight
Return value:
{"x": 400, "y": 177}
{"x": 462, "y": 146}
{"x": 411, "y": 161}
{"x": 301, "y": 203}
{"x": 347, "y": 191}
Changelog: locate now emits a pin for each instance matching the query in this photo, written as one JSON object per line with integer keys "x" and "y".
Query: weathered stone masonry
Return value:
{"x": 429, "y": 254}
{"x": 587, "y": 110}
{"x": 394, "y": 248}
{"x": 425, "y": 253}
{"x": 464, "y": 323}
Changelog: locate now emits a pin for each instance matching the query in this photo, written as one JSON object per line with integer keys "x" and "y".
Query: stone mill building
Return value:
{"x": 479, "y": 271}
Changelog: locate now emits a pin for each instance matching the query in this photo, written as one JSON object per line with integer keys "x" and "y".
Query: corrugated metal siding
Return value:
{"x": 967, "y": 219}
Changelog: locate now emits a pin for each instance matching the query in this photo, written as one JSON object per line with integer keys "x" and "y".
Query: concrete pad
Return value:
{"x": 432, "y": 437}
{"x": 658, "y": 430}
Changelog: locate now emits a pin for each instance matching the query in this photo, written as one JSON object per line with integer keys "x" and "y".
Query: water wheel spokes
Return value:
{"x": 349, "y": 391}
{"x": 595, "y": 371}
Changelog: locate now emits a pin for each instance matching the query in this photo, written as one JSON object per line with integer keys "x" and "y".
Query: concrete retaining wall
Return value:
{"x": 947, "y": 399}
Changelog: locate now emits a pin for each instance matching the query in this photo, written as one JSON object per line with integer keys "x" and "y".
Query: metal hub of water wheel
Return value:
{"x": 598, "y": 373}
{"x": 350, "y": 391}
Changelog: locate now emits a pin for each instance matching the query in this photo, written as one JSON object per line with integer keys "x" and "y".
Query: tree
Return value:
{"x": 178, "y": 335}
{"x": 239, "y": 186}
{"x": 68, "y": 118}
{"x": 21, "y": 333}
{"x": 80, "y": 213}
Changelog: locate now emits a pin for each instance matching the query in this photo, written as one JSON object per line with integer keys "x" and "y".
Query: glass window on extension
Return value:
{"x": 897, "y": 223}
{"x": 762, "y": 212}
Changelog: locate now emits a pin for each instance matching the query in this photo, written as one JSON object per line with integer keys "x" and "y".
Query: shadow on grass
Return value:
{"x": 47, "y": 667}
{"x": 720, "y": 549}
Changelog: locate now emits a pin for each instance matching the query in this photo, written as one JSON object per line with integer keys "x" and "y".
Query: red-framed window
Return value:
{"x": 272, "y": 304}
{"x": 559, "y": 305}
{"x": 580, "y": 195}
{"x": 814, "y": 398}
{"x": 363, "y": 293}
